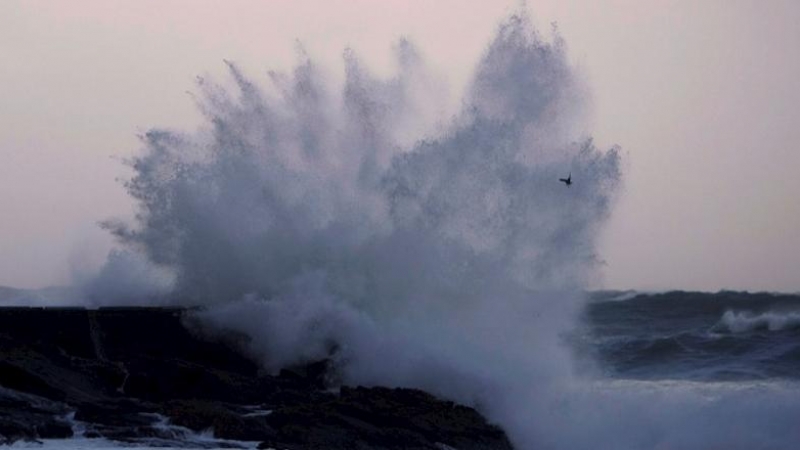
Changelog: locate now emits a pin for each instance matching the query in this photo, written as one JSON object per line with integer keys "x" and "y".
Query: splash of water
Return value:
{"x": 341, "y": 223}
{"x": 314, "y": 180}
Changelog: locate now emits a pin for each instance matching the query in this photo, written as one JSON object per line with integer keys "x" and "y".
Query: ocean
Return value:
{"x": 682, "y": 370}
{"x": 724, "y": 336}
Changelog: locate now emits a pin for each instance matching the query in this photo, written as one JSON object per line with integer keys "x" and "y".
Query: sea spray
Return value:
{"x": 314, "y": 180}
{"x": 310, "y": 219}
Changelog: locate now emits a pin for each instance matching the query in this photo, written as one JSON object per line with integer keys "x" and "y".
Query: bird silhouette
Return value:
{"x": 567, "y": 181}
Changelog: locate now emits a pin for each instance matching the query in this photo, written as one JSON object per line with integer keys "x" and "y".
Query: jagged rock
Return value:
{"x": 18, "y": 378}
{"x": 382, "y": 418}
{"x": 125, "y": 372}
{"x": 30, "y": 417}
{"x": 228, "y": 422}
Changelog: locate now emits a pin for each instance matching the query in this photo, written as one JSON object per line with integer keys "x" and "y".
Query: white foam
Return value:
{"x": 742, "y": 322}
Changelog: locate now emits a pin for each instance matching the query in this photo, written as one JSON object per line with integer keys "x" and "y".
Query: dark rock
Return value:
{"x": 160, "y": 380}
{"x": 54, "y": 429}
{"x": 381, "y": 418}
{"x": 117, "y": 413}
{"x": 29, "y": 417}
{"x": 312, "y": 376}
{"x": 20, "y": 379}
{"x": 226, "y": 422}
{"x": 138, "y": 373}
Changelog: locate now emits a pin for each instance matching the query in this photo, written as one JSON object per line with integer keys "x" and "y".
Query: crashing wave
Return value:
{"x": 337, "y": 222}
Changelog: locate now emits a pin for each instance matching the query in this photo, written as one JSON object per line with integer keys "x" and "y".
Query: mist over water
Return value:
{"x": 357, "y": 222}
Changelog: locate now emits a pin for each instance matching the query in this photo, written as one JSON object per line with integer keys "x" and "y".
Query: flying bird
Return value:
{"x": 567, "y": 181}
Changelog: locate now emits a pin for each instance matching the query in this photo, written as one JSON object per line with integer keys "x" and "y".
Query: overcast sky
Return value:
{"x": 702, "y": 96}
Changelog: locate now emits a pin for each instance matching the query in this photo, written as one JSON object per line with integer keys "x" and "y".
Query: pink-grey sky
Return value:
{"x": 703, "y": 98}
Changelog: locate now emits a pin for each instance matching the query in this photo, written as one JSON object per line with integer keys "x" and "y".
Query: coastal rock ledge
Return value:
{"x": 138, "y": 375}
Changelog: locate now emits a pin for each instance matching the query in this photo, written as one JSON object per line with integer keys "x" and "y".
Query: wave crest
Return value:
{"x": 743, "y": 322}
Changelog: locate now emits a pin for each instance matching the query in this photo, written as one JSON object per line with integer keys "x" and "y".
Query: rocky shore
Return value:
{"x": 139, "y": 375}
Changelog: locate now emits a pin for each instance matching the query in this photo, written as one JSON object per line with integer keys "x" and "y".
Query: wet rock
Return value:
{"x": 139, "y": 375}
{"x": 227, "y": 422}
{"x": 29, "y": 417}
{"x": 381, "y": 418}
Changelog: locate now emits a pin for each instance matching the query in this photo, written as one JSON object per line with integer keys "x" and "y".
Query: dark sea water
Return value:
{"x": 724, "y": 336}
